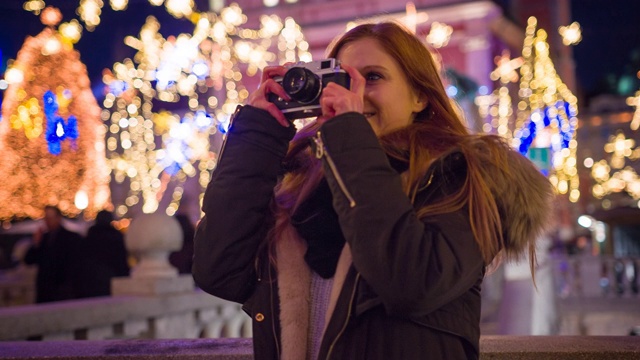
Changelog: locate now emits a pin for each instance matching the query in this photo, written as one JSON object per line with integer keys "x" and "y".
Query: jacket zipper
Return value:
{"x": 224, "y": 139}
{"x": 321, "y": 151}
{"x": 346, "y": 320}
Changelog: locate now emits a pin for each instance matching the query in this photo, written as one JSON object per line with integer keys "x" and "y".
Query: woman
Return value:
{"x": 367, "y": 236}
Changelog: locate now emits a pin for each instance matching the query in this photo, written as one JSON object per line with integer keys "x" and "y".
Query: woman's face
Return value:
{"x": 389, "y": 101}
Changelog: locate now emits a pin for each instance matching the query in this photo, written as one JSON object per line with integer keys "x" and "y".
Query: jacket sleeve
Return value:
{"x": 415, "y": 266}
{"x": 236, "y": 204}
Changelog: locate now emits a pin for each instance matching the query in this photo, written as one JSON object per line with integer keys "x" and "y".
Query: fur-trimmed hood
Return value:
{"x": 524, "y": 196}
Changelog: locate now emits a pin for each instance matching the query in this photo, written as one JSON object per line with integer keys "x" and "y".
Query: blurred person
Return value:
{"x": 104, "y": 256}
{"x": 56, "y": 252}
{"x": 183, "y": 258}
{"x": 367, "y": 234}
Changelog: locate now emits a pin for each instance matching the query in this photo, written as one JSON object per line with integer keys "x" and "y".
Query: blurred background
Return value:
{"x": 123, "y": 104}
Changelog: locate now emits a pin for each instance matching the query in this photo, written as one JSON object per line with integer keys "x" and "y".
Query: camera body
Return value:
{"x": 304, "y": 83}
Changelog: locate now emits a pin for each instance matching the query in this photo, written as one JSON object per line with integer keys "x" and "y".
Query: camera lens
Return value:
{"x": 301, "y": 84}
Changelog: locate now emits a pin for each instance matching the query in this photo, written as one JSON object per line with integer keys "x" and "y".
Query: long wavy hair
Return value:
{"x": 435, "y": 132}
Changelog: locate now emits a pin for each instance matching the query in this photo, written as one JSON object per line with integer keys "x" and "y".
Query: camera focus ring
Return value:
{"x": 301, "y": 84}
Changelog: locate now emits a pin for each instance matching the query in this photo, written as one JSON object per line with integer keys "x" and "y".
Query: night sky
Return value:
{"x": 609, "y": 51}
{"x": 610, "y": 47}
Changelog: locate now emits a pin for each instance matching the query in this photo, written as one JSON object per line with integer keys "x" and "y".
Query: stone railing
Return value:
{"x": 491, "y": 347}
{"x": 193, "y": 314}
{"x": 154, "y": 303}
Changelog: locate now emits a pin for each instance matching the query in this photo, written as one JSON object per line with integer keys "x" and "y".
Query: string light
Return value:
{"x": 616, "y": 175}
{"x": 34, "y": 6}
{"x": 439, "y": 34}
{"x": 635, "y": 102}
{"x": 571, "y": 35}
{"x": 547, "y": 120}
{"x": 119, "y": 5}
{"x": 544, "y": 128}
{"x": 90, "y": 11}
{"x": 156, "y": 152}
{"x": 498, "y": 105}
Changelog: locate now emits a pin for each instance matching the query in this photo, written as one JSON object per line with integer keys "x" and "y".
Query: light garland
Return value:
{"x": 546, "y": 120}
{"x": 616, "y": 175}
{"x": 52, "y": 143}
{"x": 157, "y": 151}
{"x": 497, "y": 106}
{"x": 635, "y": 102}
{"x": 439, "y": 35}
{"x": 571, "y": 34}
{"x": 544, "y": 128}
{"x": 90, "y": 10}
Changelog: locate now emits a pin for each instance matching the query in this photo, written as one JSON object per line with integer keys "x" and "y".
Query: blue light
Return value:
{"x": 117, "y": 87}
{"x": 223, "y": 123}
{"x": 203, "y": 120}
{"x": 57, "y": 129}
{"x": 452, "y": 91}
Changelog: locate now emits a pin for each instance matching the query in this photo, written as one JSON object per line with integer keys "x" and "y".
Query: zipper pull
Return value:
{"x": 319, "y": 145}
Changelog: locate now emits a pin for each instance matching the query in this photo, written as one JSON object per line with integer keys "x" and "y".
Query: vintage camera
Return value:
{"x": 304, "y": 83}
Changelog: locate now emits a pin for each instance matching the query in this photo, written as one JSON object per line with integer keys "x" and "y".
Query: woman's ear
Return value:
{"x": 421, "y": 102}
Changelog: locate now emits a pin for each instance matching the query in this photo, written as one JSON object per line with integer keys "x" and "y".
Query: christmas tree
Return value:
{"x": 544, "y": 123}
{"x": 547, "y": 120}
{"x": 51, "y": 135}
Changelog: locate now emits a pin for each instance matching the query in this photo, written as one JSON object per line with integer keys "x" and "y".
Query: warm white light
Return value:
{"x": 89, "y": 11}
{"x": 233, "y": 15}
{"x": 71, "y": 30}
{"x": 51, "y": 46}
{"x": 600, "y": 231}
{"x": 34, "y": 5}
{"x": 585, "y": 221}
{"x": 14, "y": 76}
{"x": 81, "y": 200}
{"x": 439, "y": 34}
{"x": 180, "y": 8}
{"x": 571, "y": 35}
{"x": 119, "y": 5}
{"x": 270, "y": 3}
{"x": 588, "y": 163}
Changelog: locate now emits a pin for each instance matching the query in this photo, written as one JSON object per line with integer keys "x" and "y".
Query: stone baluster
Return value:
{"x": 151, "y": 238}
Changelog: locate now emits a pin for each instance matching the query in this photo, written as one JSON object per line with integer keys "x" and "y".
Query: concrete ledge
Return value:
{"x": 187, "y": 349}
{"x": 560, "y": 347}
{"x": 492, "y": 347}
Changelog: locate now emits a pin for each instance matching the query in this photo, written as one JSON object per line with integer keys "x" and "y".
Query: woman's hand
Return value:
{"x": 336, "y": 99}
{"x": 259, "y": 98}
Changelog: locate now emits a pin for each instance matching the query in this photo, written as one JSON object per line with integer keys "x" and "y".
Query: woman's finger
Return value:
{"x": 339, "y": 100}
{"x": 357, "y": 80}
{"x": 269, "y": 72}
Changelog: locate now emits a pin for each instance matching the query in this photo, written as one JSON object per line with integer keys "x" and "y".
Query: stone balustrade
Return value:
{"x": 193, "y": 314}
{"x": 156, "y": 314}
{"x": 491, "y": 347}
{"x": 154, "y": 303}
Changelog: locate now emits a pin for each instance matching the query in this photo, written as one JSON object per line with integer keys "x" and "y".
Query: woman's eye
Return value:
{"x": 373, "y": 77}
